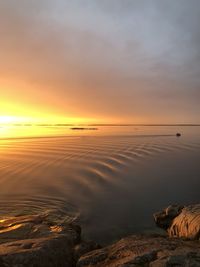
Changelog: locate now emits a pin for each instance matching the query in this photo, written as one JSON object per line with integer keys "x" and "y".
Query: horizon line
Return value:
{"x": 99, "y": 124}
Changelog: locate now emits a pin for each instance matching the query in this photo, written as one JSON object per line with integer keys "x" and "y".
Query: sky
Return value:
{"x": 120, "y": 61}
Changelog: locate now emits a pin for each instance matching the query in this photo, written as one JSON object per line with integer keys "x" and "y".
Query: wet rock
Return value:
{"x": 37, "y": 241}
{"x": 135, "y": 251}
{"x": 180, "y": 221}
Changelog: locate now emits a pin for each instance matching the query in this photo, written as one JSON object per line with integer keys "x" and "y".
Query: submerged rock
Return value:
{"x": 135, "y": 251}
{"x": 180, "y": 221}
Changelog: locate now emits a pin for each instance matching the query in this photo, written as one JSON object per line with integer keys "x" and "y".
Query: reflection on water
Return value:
{"x": 111, "y": 180}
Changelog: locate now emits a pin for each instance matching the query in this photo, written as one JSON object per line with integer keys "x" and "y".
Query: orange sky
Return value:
{"x": 67, "y": 62}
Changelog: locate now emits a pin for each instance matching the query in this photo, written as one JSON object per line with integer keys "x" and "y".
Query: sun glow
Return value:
{"x": 24, "y": 111}
{"x": 19, "y": 108}
{"x": 10, "y": 119}
{"x": 14, "y": 113}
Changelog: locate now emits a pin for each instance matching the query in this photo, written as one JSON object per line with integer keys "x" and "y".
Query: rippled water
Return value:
{"x": 110, "y": 180}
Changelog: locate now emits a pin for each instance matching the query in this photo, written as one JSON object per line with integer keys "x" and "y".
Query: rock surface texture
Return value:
{"x": 36, "y": 241}
{"x": 135, "y": 251}
{"x": 48, "y": 241}
{"x": 180, "y": 221}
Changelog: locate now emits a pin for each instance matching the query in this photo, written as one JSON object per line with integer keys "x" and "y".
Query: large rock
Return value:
{"x": 135, "y": 251}
{"x": 180, "y": 221}
{"x": 36, "y": 240}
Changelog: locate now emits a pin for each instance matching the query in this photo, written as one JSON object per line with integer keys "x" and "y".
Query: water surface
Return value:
{"x": 111, "y": 180}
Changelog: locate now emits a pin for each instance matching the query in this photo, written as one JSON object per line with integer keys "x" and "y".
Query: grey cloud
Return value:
{"x": 109, "y": 56}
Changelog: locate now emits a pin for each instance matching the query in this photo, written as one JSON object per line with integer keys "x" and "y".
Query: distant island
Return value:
{"x": 83, "y": 128}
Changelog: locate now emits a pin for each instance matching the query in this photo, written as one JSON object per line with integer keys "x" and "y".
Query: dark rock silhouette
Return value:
{"x": 83, "y": 128}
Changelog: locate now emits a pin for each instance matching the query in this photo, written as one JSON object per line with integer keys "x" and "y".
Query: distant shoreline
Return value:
{"x": 94, "y": 124}
{"x": 83, "y": 128}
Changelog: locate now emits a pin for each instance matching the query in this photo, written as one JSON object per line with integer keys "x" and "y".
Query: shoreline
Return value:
{"x": 46, "y": 241}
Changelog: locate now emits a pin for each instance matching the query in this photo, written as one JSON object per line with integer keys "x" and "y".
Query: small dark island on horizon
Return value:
{"x": 84, "y": 128}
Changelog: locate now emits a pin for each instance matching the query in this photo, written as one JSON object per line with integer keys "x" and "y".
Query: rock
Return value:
{"x": 180, "y": 221}
{"x": 165, "y": 218}
{"x": 187, "y": 223}
{"x": 180, "y": 258}
{"x": 85, "y": 247}
{"x": 37, "y": 241}
{"x": 47, "y": 252}
{"x": 44, "y": 241}
{"x": 144, "y": 251}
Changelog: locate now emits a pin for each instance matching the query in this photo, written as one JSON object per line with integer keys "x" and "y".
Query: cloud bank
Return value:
{"x": 132, "y": 60}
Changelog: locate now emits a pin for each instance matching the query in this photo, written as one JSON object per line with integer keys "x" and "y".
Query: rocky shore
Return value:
{"x": 41, "y": 241}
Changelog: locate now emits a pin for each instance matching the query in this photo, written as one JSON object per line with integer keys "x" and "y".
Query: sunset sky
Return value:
{"x": 126, "y": 61}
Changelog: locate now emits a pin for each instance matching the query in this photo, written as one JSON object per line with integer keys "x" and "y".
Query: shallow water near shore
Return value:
{"x": 110, "y": 180}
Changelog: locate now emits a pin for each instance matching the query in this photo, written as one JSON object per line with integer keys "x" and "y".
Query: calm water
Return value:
{"x": 110, "y": 180}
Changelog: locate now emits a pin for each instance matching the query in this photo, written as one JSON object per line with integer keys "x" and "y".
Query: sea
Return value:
{"x": 109, "y": 179}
